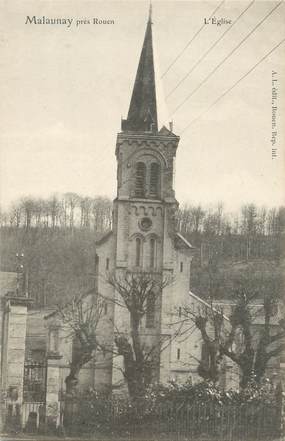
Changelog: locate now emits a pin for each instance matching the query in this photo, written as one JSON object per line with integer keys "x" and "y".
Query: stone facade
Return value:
{"x": 150, "y": 221}
{"x": 13, "y": 313}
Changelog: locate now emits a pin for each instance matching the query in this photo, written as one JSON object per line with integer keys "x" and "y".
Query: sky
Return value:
{"x": 65, "y": 89}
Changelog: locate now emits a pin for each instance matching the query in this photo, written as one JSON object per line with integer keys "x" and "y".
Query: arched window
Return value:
{"x": 138, "y": 251}
{"x": 140, "y": 179}
{"x": 150, "y": 311}
{"x": 154, "y": 179}
{"x": 152, "y": 253}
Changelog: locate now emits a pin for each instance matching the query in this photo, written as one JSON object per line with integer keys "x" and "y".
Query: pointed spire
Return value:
{"x": 150, "y": 13}
{"x": 142, "y": 115}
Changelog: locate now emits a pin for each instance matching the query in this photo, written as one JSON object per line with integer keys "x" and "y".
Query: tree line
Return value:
{"x": 69, "y": 210}
{"x": 250, "y": 232}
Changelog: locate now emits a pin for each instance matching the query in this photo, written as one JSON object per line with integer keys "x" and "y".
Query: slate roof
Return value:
{"x": 142, "y": 115}
{"x": 104, "y": 238}
{"x": 181, "y": 242}
{"x": 148, "y": 109}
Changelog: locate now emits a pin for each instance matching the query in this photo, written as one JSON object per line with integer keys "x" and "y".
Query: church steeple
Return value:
{"x": 142, "y": 115}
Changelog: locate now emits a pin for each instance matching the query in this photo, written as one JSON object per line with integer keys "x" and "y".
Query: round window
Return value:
{"x": 145, "y": 223}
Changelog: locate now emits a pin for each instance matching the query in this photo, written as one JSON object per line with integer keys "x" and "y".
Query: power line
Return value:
{"x": 192, "y": 39}
{"x": 227, "y": 57}
{"x": 209, "y": 50}
{"x": 234, "y": 85}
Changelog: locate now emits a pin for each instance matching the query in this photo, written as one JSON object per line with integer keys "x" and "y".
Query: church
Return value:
{"x": 143, "y": 242}
{"x": 143, "y": 238}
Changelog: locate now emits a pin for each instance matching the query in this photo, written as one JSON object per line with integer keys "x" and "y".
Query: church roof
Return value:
{"x": 146, "y": 108}
{"x": 181, "y": 242}
{"x": 104, "y": 238}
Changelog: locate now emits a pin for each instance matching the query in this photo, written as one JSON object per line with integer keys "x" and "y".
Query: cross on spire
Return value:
{"x": 150, "y": 12}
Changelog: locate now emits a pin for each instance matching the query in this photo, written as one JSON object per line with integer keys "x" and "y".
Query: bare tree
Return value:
{"x": 257, "y": 347}
{"x": 247, "y": 347}
{"x": 72, "y": 202}
{"x": 101, "y": 213}
{"x": 54, "y": 209}
{"x": 249, "y": 226}
{"x": 210, "y": 322}
{"x": 16, "y": 212}
{"x": 85, "y": 209}
{"x": 28, "y": 206}
{"x": 140, "y": 294}
{"x": 39, "y": 208}
{"x": 81, "y": 318}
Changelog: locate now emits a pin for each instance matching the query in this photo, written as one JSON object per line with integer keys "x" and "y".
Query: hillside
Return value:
{"x": 57, "y": 237}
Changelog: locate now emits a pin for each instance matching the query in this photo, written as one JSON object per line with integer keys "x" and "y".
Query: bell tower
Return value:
{"x": 143, "y": 238}
{"x": 145, "y": 151}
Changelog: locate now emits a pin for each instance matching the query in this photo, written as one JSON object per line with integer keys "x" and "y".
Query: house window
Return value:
{"x": 105, "y": 308}
{"x": 107, "y": 263}
{"x": 178, "y": 354}
{"x": 179, "y": 311}
{"x": 181, "y": 267}
{"x": 152, "y": 253}
{"x": 140, "y": 178}
{"x": 154, "y": 179}
{"x": 150, "y": 311}
{"x": 138, "y": 251}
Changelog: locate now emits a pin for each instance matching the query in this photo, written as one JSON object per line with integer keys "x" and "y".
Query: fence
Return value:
{"x": 179, "y": 421}
{"x": 33, "y": 416}
{"x": 250, "y": 421}
{"x": 28, "y": 416}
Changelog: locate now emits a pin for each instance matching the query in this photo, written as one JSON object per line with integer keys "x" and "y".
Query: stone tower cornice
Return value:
{"x": 147, "y": 140}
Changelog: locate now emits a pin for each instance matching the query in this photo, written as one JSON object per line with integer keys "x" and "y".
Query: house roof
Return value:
{"x": 256, "y": 309}
{"x": 206, "y": 304}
